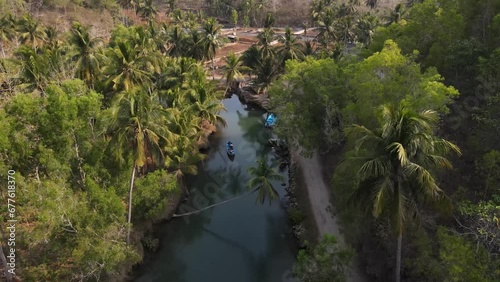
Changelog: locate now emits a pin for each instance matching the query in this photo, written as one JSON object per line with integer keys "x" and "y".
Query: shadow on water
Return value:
{"x": 237, "y": 241}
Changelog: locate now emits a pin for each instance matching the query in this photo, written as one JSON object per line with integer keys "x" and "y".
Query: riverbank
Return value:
{"x": 318, "y": 194}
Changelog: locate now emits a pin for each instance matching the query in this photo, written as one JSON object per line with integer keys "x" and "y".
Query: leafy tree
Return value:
{"x": 152, "y": 195}
{"x": 234, "y": 18}
{"x": 464, "y": 261}
{"x": 489, "y": 169}
{"x": 327, "y": 261}
{"x": 315, "y": 87}
{"x": 385, "y": 78}
{"x": 481, "y": 221}
{"x": 394, "y": 177}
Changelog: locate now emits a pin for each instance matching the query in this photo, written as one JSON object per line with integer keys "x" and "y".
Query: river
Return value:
{"x": 239, "y": 241}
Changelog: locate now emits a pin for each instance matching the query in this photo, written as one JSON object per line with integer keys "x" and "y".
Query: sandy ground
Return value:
{"x": 319, "y": 197}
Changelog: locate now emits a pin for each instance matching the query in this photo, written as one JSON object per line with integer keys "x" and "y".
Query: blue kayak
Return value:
{"x": 271, "y": 120}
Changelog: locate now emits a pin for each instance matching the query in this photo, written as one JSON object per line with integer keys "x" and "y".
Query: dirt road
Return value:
{"x": 319, "y": 196}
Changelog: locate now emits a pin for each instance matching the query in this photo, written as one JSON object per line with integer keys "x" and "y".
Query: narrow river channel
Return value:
{"x": 241, "y": 241}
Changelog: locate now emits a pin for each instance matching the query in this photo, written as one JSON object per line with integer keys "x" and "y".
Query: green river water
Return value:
{"x": 241, "y": 241}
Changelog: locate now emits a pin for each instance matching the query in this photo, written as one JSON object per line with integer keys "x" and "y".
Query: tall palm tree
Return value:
{"x": 127, "y": 67}
{"x": 327, "y": 32}
{"x": 138, "y": 126}
{"x": 7, "y": 31}
{"x": 269, "y": 20}
{"x": 146, "y": 10}
{"x": 30, "y": 31}
{"x": 251, "y": 57}
{"x": 290, "y": 49}
{"x": 262, "y": 175}
{"x": 84, "y": 53}
{"x": 345, "y": 29}
{"x": 366, "y": 28}
{"x": 394, "y": 177}
{"x": 35, "y": 69}
{"x": 266, "y": 37}
{"x": 211, "y": 40}
{"x": 182, "y": 158}
{"x": 176, "y": 41}
{"x": 309, "y": 48}
{"x": 233, "y": 69}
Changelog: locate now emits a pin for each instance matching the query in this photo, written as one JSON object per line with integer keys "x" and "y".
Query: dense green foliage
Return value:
{"x": 327, "y": 261}
{"x": 426, "y": 54}
{"x": 91, "y": 127}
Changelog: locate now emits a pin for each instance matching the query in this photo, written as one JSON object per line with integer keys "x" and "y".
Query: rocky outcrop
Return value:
{"x": 248, "y": 96}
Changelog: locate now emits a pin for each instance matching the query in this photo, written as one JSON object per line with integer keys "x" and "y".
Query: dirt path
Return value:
{"x": 319, "y": 197}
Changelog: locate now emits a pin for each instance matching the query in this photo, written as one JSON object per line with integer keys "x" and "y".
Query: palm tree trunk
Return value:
{"x": 8, "y": 275}
{"x": 217, "y": 204}
{"x": 398, "y": 257}
{"x": 213, "y": 69}
{"x": 130, "y": 203}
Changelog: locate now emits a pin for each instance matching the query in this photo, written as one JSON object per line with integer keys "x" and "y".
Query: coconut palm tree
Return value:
{"x": 365, "y": 29}
{"x": 266, "y": 37}
{"x": 251, "y": 57}
{"x": 233, "y": 69}
{"x": 7, "y": 31}
{"x": 211, "y": 40}
{"x": 30, "y": 31}
{"x": 197, "y": 49}
{"x": 345, "y": 29}
{"x": 182, "y": 158}
{"x": 35, "y": 68}
{"x": 395, "y": 175}
{"x": 262, "y": 175}
{"x": 290, "y": 49}
{"x": 127, "y": 67}
{"x": 326, "y": 23}
{"x": 269, "y": 21}
{"x": 176, "y": 41}
{"x": 138, "y": 128}
{"x": 308, "y": 49}
{"x": 146, "y": 10}
{"x": 85, "y": 53}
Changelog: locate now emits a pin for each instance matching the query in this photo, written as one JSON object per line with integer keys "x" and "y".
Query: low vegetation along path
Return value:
{"x": 319, "y": 197}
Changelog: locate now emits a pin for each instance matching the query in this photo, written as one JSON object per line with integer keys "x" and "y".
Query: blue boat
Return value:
{"x": 230, "y": 149}
{"x": 270, "y": 121}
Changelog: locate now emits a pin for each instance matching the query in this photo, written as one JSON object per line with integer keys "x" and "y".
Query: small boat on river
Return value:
{"x": 230, "y": 149}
